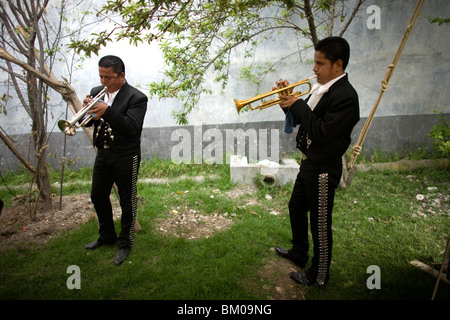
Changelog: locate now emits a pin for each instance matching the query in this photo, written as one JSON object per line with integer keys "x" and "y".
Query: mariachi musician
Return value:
{"x": 326, "y": 119}
{"x": 118, "y": 120}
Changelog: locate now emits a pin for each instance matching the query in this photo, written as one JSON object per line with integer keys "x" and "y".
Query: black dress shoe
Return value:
{"x": 300, "y": 278}
{"x": 121, "y": 255}
{"x": 285, "y": 253}
{"x": 93, "y": 245}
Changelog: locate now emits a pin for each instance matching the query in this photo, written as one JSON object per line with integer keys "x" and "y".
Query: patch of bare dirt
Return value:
{"x": 22, "y": 224}
{"x": 240, "y": 191}
{"x": 191, "y": 224}
{"x": 276, "y": 272}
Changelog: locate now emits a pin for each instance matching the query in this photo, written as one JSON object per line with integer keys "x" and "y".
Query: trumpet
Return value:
{"x": 266, "y": 104}
{"x": 68, "y": 127}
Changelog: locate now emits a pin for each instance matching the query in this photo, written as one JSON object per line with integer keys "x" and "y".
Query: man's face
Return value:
{"x": 110, "y": 79}
{"x": 324, "y": 69}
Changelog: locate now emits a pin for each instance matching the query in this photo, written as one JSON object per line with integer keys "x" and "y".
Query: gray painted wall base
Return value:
{"x": 263, "y": 140}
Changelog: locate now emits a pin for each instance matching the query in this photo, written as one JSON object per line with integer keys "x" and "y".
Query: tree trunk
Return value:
{"x": 39, "y": 135}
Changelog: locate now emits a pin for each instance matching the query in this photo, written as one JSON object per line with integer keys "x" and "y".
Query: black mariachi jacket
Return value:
{"x": 325, "y": 133}
{"x": 125, "y": 118}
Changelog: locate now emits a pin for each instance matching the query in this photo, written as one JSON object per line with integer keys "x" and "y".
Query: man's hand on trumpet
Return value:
{"x": 287, "y": 100}
{"x": 98, "y": 109}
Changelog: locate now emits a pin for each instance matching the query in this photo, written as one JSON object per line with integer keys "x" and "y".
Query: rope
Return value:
{"x": 385, "y": 84}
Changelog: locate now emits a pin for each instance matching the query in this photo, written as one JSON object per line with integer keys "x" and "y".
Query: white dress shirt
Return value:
{"x": 318, "y": 90}
{"x": 109, "y": 98}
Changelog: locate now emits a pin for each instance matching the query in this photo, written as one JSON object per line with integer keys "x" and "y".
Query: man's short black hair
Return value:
{"x": 335, "y": 48}
{"x": 112, "y": 62}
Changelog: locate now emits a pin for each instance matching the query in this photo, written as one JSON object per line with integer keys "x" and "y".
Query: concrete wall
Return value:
{"x": 418, "y": 86}
{"x": 258, "y": 140}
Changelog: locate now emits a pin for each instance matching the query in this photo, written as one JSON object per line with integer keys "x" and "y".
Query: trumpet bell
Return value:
{"x": 239, "y": 105}
{"x": 66, "y": 127}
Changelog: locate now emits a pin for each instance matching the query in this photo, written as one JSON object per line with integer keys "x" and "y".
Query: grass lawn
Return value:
{"x": 380, "y": 220}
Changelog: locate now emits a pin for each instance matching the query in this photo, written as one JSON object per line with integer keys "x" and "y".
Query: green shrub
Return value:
{"x": 441, "y": 134}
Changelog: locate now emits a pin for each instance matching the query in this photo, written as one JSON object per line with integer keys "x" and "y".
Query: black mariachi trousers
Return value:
{"x": 111, "y": 167}
{"x": 315, "y": 196}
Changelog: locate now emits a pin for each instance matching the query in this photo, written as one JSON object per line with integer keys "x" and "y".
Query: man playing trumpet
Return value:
{"x": 326, "y": 119}
{"x": 118, "y": 121}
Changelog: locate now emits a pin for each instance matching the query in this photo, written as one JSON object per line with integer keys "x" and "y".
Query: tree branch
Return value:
{"x": 331, "y": 16}
{"x": 16, "y": 153}
{"x": 355, "y": 9}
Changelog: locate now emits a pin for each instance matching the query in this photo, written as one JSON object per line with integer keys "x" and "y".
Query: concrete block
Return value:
{"x": 270, "y": 172}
